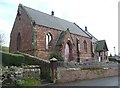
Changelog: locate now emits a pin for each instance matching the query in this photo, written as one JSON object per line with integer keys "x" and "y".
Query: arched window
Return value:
{"x": 18, "y": 42}
{"x": 48, "y": 40}
{"x": 68, "y": 51}
{"x": 85, "y": 46}
{"x": 93, "y": 47}
{"x": 78, "y": 44}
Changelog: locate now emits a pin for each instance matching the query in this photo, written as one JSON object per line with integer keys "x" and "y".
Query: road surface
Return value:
{"x": 109, "y": 81}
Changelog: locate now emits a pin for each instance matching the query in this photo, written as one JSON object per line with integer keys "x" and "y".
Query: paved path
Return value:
{"x": 109, "y": 81}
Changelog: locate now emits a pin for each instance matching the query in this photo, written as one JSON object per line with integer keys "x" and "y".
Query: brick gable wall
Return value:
{"x": 23, "y": 26}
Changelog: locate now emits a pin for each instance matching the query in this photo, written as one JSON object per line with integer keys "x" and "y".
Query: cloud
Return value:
{"x": 6, "y": 25}
{"x": 5, "y": 29}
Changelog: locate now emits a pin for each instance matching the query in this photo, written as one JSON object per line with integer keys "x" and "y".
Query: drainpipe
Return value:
{"x": 114, "y": 52}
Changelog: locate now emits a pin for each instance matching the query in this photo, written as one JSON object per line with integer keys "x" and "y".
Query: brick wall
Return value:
{"x": 83, "y": 54}
{"x": 23, "y": 26}
{"x": 73, "y": 75}
{"x": 41, "y": 43}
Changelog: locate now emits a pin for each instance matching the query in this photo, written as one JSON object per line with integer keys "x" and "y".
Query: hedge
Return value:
{"x": 9, "y": 59}
{"x": 5, "y": 49}
{"x": 112, "y": 59}
{"x": 115, "y": 59}
{"x": 32, "y": 60}
{"x": 18, "y": 59}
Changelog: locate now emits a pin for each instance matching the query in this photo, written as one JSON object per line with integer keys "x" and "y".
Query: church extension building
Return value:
{"x": 40, "y": 34}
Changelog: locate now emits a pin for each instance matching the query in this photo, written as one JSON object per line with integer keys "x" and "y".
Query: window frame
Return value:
{"x": 78, "y": 44}
{"x": 18, "y": 42}
{"x": 85, "y": 46}
{"x": 48, "y": 40}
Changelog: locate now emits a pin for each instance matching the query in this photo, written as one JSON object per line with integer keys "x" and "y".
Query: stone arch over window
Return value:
{"x": 78, "y": 44}
{"x": 78, "y": 49}
{"x": 68, "y": 51}
{"x": 85, "y": 46}
{"x": 48, "y": 40}
{"x": 18, "y": 41}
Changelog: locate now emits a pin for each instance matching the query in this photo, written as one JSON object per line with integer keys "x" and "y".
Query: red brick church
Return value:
{"x": 40, "y": 34}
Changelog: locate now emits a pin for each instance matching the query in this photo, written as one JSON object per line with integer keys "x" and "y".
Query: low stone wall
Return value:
{"x": 69, "y": 75}
{"x": 31, "y": 72}
{"x": 43, "y": 64}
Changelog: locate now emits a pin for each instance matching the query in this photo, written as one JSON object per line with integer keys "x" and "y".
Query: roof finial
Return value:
{"x": 86, "y": 28}
{"x": 52, "y": 13}
{"x": 67, "y": 28}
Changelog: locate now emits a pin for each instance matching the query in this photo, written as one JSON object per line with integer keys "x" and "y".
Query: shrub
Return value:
{"x": 30, "y": 82}
{"x": 5, "y": 49}
{"x": 110, "y": 55}
{"x": 56, "y": 55}
{"x": 30, "y": 60}
{"x": 12, "y": 59}
{"x": 112, "y": 58}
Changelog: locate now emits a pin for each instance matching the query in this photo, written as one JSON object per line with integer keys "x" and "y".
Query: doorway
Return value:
{"x": 68, "y": 51}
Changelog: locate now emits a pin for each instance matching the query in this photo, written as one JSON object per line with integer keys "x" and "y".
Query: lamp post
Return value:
{"x": 53, "y": 63}
{"x": 114, "y": 51}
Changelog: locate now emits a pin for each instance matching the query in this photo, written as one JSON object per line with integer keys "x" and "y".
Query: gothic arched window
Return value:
{"x": 48, "y": 40}
{"x": 18, "y": 41}
{"x": 85, "y": 46}
{"x": 78, "y": 44}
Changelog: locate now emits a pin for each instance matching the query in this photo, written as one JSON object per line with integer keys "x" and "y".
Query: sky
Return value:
{"x": 100, "y": 16}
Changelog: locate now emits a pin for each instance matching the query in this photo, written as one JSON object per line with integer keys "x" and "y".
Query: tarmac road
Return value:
{"x": 109, "y": 81}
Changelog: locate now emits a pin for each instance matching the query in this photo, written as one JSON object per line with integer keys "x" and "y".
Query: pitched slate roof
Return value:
{"x": 93, "y": 38}
{"x": 47, "y": 20}
{"x": 101, "y": 46}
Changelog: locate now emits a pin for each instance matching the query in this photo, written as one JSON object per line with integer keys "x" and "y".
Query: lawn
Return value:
{"x": 30, "y": 82}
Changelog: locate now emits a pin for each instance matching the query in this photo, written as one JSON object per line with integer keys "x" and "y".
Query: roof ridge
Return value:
{"x": 92, "y": 35}
{"x": 35, "y": 9}
{"x": 54, "y": 22}
{"x": 46, "y": 13}
{"x": 81, "y": 29}
{"x": 101, "y": 40}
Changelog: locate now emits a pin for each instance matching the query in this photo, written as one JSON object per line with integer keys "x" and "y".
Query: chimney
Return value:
{"x": 52, "y": 13}
{"x": 85, "y": 28}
